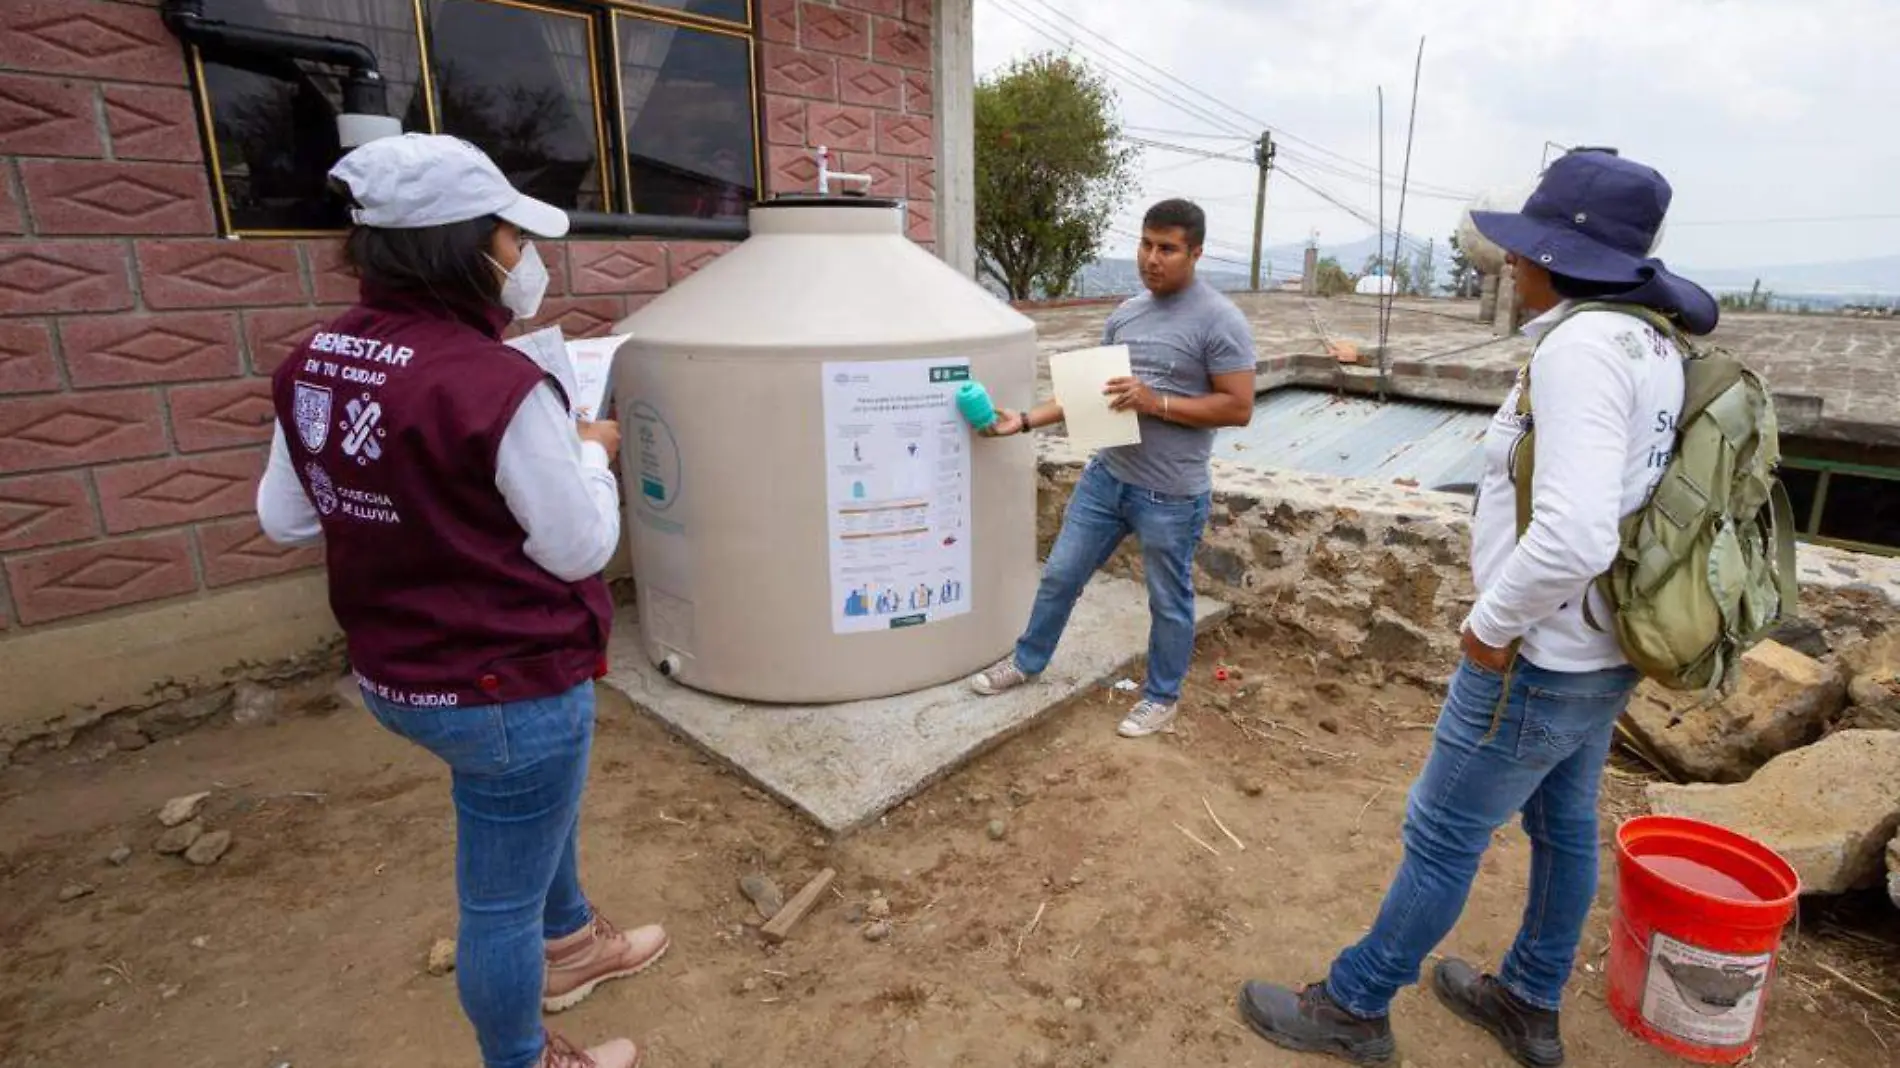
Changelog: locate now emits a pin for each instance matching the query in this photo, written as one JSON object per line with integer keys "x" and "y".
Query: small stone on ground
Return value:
{"x": 75, "y": 891}
{"x": 208, "y": 849}
{"x": 442, "y": 957}
{"x": 179, "y": 838}
{"x": 180, "y": 809}
{"x": 119, "y": 856}
{"x": 877, "y": 930}
{"x": 763, "y": 893}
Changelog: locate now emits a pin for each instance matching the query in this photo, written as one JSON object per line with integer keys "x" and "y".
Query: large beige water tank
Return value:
{"x": 811, "y": 519}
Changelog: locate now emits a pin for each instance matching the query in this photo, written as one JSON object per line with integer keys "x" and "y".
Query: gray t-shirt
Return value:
{"x": 1176, "y": 344}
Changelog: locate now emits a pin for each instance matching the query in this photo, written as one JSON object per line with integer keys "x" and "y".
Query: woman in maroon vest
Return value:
{"x": 465, "y": 520}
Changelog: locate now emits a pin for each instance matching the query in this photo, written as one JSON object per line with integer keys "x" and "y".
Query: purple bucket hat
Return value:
{"x": 1594, "y": 217}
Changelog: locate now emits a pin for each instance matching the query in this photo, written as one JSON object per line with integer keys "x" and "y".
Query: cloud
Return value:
{"x": 1754, "y": 109}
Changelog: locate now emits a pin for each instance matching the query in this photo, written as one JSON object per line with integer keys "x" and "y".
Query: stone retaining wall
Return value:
{"x": 1376, "y": 571}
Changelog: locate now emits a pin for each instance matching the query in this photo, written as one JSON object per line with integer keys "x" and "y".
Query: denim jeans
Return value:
{"x": 1102, "y": 511}
{"x": 518, "y": 771}
{"x": 1545, "y": 760}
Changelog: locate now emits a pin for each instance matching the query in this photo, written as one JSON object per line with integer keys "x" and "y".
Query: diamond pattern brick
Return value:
{"x": 790, "y": 72}
{"x": 870, "y": 84}
{"x": 919, "y": 96}
{"x": 778, "y": 20}
{"x": 923, "y": 181}
{"x": 117, "y": 350}
{"x": 905, "y": 135}
{"x": 219, "y": 274}
{"x": 147, "y": 122}
{"x": 221, "y": 415}
{"x": 178, "y": 489}
{"x": 332, "y": 278}
{"x": 12, "y": 220}
{"x": 617, "y": 266}
{"x": 921, "y": 221}
{"x": 791, "y": 170}
{"x": 237, "y": 550}
{"x": 46, "y": 116}
{"x": 890, "y": 8}
{"x": 63, "y": 276}
{"x": 579, "y": 316}
{"x": 86, "y": 38}
{"x": 833, "y": 30}
{"x": 100, "y": 197}
{"x": 784, "y": 121}
{"x": 272, "y": 334}
{"x": 40, "y": 510}
{"x": 26, "y": 357}
{"x": 108, "y": 574}
{"x": 690, "y": 257}
{"x": 888, "y": 176}
{"x": 843, "y": 127}
{"x": 72, "y": 429}
{"x": 919, "y": 13}
{"x": 900, "y": 43}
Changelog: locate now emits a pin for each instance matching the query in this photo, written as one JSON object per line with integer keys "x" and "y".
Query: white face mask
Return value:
{"x": 524, "y": 287}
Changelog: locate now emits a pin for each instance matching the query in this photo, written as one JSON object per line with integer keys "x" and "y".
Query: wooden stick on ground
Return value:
{"x": 1192, "y": 837}
{"x": 781, "y": 923}
{"x": 1380, "y": 792}
{"x": 1034, "y": 922}
{"x": 1242, "y": 846}
{"x": 1858, "y": 988}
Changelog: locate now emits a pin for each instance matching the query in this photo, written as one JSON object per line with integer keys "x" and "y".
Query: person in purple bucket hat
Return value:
{"x": 1527, "y": 722}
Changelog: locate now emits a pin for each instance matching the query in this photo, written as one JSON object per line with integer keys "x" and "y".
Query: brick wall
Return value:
{"x": 135, "y": 344}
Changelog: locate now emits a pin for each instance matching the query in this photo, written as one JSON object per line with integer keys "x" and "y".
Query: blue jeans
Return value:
{"x": 1102, "y": 511}
{"x": 518, "y": 770}
{"x": 1545, "y": 760}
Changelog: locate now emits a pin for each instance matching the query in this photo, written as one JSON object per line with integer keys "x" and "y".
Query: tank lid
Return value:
{"x": 822, "y": 200}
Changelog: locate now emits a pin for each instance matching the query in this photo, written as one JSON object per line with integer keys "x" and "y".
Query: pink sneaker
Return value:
{"x": 560, "y": 1053}
{"x": 595, "y": 954}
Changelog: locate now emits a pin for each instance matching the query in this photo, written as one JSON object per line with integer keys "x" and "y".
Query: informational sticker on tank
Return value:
{"x": 897, "y": 463}
{"x": 1702, "y": 996}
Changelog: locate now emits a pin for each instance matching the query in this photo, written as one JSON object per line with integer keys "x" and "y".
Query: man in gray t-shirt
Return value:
{"x": 1192, "y": 355}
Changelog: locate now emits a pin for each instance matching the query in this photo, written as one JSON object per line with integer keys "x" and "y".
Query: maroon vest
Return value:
{"x": 393, "y": 414}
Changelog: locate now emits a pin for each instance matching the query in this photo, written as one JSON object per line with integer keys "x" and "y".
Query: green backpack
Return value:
{"x": 1707, "y": 564}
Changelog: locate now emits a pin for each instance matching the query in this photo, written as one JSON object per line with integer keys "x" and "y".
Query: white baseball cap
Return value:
{"x": 417, "y": 180}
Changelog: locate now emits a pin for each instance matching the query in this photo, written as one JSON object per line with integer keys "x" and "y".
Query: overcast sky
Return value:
{"x": 1756, "y": 110}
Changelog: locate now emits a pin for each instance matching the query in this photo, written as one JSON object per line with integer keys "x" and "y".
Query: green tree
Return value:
{"x": 1051, "y": 171}
{"x": 1464, "y": 280}
{"x": 1332, "y": 280}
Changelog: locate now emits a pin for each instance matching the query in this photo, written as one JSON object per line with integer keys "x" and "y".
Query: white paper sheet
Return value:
{"x": 1079, "y": 379}
{"x": 582, "y": 366}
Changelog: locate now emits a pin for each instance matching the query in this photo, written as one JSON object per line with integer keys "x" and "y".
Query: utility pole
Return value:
{"x": 1263, "y": 158}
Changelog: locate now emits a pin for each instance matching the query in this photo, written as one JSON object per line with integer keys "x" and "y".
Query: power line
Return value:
{"x": 1131, "y": 78}
{"x": 1203, "y": 94}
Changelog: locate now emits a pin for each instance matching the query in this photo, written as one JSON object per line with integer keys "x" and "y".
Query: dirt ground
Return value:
{"x": 1095, "y": 932}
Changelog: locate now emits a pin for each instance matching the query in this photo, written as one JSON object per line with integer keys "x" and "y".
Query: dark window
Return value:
{"x": 593, "y": 105}
{"x": 520, "y": 82}
{"x": 274, "y": 120}
{"x": 687, "y": 111}
{"x": 723, "y": 10}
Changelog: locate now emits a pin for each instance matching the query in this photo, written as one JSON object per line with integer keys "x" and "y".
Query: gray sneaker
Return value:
{"x": 1000, "y": 678}
{"x": 1148, "y": 717}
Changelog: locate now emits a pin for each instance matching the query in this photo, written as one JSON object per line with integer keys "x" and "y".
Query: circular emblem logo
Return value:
{"x": 322, "y": 490}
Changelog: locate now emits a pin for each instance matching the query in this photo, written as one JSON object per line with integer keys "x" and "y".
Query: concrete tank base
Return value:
{"x": 844, "y": 765}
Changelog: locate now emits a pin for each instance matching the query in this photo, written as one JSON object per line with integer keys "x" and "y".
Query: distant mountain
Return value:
{"x": 1874, "y": 280}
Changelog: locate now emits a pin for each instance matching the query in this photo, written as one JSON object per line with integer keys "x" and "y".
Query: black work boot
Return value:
{"x": 1529, "y": 1034}
{"x": 1310, "y": 1021}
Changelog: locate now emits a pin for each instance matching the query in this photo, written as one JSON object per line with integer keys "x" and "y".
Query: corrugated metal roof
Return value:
{"x": 1434, "y": 445}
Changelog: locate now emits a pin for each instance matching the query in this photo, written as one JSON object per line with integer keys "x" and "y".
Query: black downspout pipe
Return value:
{"x": 364, "y": 92}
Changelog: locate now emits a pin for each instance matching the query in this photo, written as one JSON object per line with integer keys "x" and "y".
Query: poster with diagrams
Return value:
{"x": 897, "y": 460}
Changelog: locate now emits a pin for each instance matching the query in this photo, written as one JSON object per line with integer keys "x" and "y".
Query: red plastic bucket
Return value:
{"x": 1698, "y": 921}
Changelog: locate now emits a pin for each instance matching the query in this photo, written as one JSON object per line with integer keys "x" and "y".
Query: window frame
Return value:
{"x": 1808, "y": 527}
{"x": 603, "y": 21}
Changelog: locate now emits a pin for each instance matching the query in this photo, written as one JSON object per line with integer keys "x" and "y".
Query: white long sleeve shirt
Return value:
{"x": 557, "y": 486}
{"x": 1606, "y": 389}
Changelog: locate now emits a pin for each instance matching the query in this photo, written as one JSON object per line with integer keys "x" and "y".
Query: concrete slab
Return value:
{"x": 844, "y": 765}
